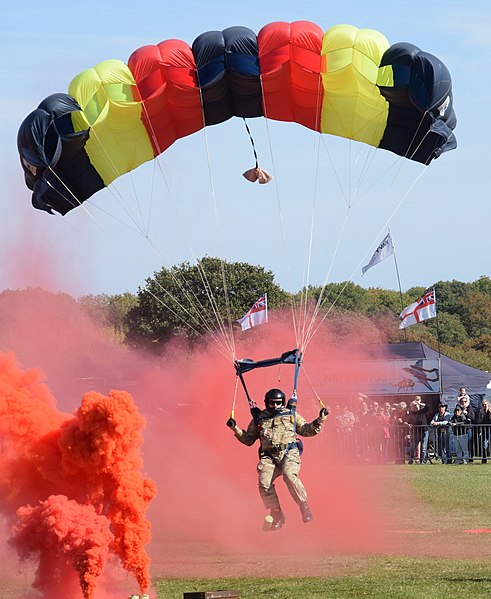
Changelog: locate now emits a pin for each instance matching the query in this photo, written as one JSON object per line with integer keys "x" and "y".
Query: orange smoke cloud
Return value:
{"x": 77, "y": 477}
{"x": 59, "y": 531}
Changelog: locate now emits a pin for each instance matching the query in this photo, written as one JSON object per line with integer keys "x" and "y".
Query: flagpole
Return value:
{"x": 439, "y": 350}
{"x": 437, "y": 326}
{"x": 399, "y": 282}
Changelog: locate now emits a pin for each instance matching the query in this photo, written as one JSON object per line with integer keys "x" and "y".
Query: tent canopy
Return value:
{"x": 454, "y": 374}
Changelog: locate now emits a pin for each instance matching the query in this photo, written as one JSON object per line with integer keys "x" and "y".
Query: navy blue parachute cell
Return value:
{"x": 421, "y": 117}
{"x": 48, "y": 145}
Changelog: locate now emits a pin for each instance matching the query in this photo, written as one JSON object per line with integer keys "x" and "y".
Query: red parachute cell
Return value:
{"x": 166, "y": 79}
{"x": 291, "y": 64}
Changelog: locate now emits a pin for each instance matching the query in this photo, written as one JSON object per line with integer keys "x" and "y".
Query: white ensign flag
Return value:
{"x": 258, "y": 314}
{"x": 423, "y": 309}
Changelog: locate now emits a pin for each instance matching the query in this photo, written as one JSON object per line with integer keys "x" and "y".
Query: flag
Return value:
{"x": 423, "y": 309}
{"x": 258, "y": 314}
{"x": 384, "y": 250}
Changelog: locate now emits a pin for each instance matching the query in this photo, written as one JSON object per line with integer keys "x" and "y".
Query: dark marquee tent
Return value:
{"x": 454, "y": 374}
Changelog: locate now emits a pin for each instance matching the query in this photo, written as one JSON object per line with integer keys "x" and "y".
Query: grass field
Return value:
{"x": 442, "y": 551}
{"x": 387, "y": 578}
{"x": 448, "y": 562}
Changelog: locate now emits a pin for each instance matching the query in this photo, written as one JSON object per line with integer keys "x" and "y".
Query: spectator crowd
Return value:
{"x": 400, "y": 433}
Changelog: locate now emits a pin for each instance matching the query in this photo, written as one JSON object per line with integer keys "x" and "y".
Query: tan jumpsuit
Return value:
{"x": 278, "y": 454}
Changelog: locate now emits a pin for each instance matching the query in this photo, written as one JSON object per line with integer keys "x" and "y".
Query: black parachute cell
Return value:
{"x": 421, "y": 116}
{"x": 228, "y": 74}
{"x": 55, "y": 163}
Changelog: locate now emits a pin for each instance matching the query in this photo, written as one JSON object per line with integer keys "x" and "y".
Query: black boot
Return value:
{"x": 306, "y": 513}
{"x": 278, "y": 519}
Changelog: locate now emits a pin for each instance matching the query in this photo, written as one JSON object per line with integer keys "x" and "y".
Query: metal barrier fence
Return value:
{"x": 380, "y": 444}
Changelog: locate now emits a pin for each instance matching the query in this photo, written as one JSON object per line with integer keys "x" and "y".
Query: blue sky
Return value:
{"x": 439, "y": 217}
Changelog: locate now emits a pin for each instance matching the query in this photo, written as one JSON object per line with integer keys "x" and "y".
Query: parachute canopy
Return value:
{"x": 346, "y": 81}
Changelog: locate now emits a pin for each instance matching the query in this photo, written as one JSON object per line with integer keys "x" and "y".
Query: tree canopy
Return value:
{"x": 191, "y": 300}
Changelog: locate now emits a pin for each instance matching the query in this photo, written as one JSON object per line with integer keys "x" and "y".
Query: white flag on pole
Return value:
{"x": 384, "y": 250}
{"x": 423, "y": 309}
{"x": 258, "y": 314}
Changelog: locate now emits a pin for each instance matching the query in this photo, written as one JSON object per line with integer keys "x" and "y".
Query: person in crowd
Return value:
{"x": 362, "y": 421}
{"x": 386, "y": 422}
{"x": 418, "y": 419}
{"x": 375, "y": 434}
{"x": 362, "y": 413}
{"x": 345, "y": 419}
{"x": 484, "y": 421}
{"x": 277, "y": 428}
{"x": 440, "y": 424}
{"x": 468, "y": 411}
{"x": 459, "y": 423}
{"x": 400, "y": 432}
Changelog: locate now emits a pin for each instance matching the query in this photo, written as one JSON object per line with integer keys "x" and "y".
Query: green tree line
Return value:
{"x": 177, "y": 301}
{"x": 191, "y": 300}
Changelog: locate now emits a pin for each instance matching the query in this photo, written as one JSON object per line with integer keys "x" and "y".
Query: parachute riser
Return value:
{"x": 292, "y": 403}
{"x": 290, "y": 357}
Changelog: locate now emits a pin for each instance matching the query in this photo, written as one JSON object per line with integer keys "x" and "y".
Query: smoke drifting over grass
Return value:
{"x": 73, "y": 454}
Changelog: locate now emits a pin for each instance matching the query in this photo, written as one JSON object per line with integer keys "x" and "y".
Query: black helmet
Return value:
{"x": 275, "y": 395}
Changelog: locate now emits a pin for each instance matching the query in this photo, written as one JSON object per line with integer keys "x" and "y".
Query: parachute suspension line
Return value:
{"x": 411, "y": 156}
{"x": 152, "y": 195}
{"x": 201, "y": 312}
{"x": 341, "y": 187}
{"x": 161, "y": 301}
{"x": 382, "y": 229}
{"x": 423, "y": 138}
{"x": 196, "y": 303}
{"x": 372, "y": 148}
{"x": 317, "y": 396}
{"x": 223, "y": 350}
{"x": 304, "y": 294}
{"x": 234, "y": 401}
{"x": 369, "y": 158}
{"x": 199, "y": 317}
{"x": 176, "y": 301}
{"x": 319, "y": 302}
{"x": 350, "y": 201}
{"x": 117, "y": 194}
{"x": 282, "y": 225}
{"x": 306, "y": 328}
{"x": 230, "y": 339}
{"x": 156, "y": 162}
{"x": 252, "y": 141}
{"x": 72, "y": 195}
{"x": 83, "y": 206}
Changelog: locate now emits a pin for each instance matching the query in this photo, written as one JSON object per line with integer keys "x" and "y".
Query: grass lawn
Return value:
{"x": 387, "y": 578}
{"x": 455, "y": 499}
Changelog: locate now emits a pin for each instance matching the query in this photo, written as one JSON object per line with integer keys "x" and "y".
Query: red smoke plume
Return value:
{"x": 59, "y": 531}
{"x": 79, "y": 476}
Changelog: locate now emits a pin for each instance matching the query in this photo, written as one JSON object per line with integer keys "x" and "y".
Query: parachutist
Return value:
{"x": 277, "y": 427}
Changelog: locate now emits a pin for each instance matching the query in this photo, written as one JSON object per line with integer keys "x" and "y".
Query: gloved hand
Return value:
{"x": 231, "y": 423}
{"x": 323, "y": 414}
